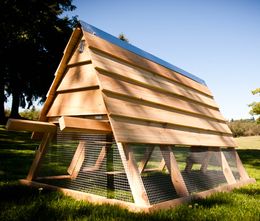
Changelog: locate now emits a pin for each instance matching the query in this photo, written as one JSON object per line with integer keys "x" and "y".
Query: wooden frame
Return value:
{"x": 133, "y": 176}
{"x": 172, "y": 167}
{"x": 77, "y": 160}
{"x": 84, "y": 125}
{"x": 133, "y": 206}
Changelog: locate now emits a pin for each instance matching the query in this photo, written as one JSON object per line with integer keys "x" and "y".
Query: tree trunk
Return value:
{"x": 15, "y": 104}
{"x": 2, "y": 106}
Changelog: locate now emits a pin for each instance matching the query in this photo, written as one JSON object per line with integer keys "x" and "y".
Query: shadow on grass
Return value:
{"x": 250, "y": 157}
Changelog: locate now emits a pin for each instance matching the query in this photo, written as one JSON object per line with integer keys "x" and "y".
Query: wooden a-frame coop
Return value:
{"x": 122, "y": 126}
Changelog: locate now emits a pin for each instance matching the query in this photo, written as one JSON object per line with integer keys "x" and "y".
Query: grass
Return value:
{"x": 23, "y": 203}
{"x": 251, "y": 142}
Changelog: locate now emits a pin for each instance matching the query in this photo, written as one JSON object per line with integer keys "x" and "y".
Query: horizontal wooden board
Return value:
{"x": 75, "y": 37}
{"x": 68, "y": 124}
{"x": 102, "y": 45}
{"x": 147, "y": 79}
{"x": 132, "y": 131}
{"x": 29, "y": 125}
{"x": 145, "y": 94}
{"x": 78, "y": 77}
{"x": 80, "y": 54}
{"x": 88, "y": 102}
{"x": 117, "y": 105}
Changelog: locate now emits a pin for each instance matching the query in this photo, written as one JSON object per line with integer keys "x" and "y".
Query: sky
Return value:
{"x": 216, "y": 40}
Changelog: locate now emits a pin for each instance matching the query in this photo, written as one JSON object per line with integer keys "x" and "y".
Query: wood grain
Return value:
{"x": 142, "y": 110}
{"x": 115, "y": 51}
{"x": 78, "y": 77}
{"x": 135, "y": 131}
{"x": 88, "y": 102}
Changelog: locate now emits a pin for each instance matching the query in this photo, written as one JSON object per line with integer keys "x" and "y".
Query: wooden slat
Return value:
{"x": 242, "y": 172}
{"x": 193, "y": 97}
{"x": 84, "y": 125}
{"x": 144, "y": 94}
{"x": 29, "y": 125}
{"x": 88, "y": 102}
{"x": 80, "y": 55}
{"x": 39, "y": 156}
{"x": 78, "y": 77}
{"x": 77, "y": 160}
{"x": 146, "y": 158}
{"x": 116, "y": 51}
{"x": 120, "y": 70}
{"x": 226, "y": 169}
{"x": 99, "y": 161}
{"x": 133, "y": 176}
{"x": 172, "y": 167}
{"x": 73, "y": 41}
{"x": 132, "y": 108}
{"x": 135, "y": 131}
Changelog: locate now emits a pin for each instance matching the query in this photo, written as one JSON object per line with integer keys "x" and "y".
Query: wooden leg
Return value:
{"x": 225, "y": 167}
{"x": 174, "y": 171}
{"x": 241, "y": 170}
{"x": 144, "y": 161}
{"x": 39, "y": 155}
{"x": 133, "y": 176}
{"x": 77, "y": 160}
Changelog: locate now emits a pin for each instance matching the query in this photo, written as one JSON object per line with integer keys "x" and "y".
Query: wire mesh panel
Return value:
{"x": 200, "y": 167}
{"x": 231, "y": 159}
{"x": 86, "y": 162}
{"x": 156, "y": 180}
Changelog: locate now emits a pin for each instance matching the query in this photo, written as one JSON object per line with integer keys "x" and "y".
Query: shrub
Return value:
{"x": 246, "y": 127}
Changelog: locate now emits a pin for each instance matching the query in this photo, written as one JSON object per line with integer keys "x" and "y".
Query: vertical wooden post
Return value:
{"x": 133, "y": 176}
{"x": 144, "y": 161}
{"x": 241, "y": 170}
{"x": 77, "y": 160}
{"x": 174, "y": 171}
{"x": 47, "y": 137}
{"x": 226, "y": 169}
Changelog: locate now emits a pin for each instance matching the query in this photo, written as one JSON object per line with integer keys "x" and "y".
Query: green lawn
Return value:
{"x": 23, "y": 203}
{"x": 252, "y": 142}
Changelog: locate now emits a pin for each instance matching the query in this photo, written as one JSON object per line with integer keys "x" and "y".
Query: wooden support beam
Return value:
{"x": 242, "y": 172}
{"x": 29, "y": 125}
{"x": 77, "y": 160}
{"x": 226, "y": 169}
{"x": 161, "y": 165}
{"x": 174, "y": 171}
{"x": 84, "y": 125}
{"x": 205, "y": 160}
{"x": 144, "y": 161}
{"x": 47, "y": 137}
{"x": 133, "y": 176}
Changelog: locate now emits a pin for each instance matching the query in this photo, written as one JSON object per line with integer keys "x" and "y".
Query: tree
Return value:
{"x": 255, "y": 106}
{"x": 32, "y": 38}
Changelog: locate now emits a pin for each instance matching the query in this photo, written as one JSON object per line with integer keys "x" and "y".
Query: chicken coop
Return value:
{"x": 122, "y": 126}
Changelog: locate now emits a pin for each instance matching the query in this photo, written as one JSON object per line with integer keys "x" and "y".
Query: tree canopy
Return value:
{"x": 255, "y": 106}
{"x": 33, "y": 35}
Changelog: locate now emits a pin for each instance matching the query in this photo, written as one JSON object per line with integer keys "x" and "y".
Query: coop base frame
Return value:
{"x": 99, "y": 200}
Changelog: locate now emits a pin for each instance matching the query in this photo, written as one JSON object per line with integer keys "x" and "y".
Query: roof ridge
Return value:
{"x": 114, "y": 40}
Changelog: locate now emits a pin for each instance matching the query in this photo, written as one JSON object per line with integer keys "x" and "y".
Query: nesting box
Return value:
{"x": 124, "y": 127}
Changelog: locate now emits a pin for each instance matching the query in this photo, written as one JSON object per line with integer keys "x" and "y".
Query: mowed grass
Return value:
{"x": 251, "y": 142}
{"x": 23, "y": 203}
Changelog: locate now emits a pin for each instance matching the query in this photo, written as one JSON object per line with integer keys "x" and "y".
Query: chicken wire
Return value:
{"x": 107, "y": 179}
{"x": 200, "y": 167}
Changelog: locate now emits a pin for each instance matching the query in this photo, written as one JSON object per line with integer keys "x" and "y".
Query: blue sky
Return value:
{"x": 218, "y": 41}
